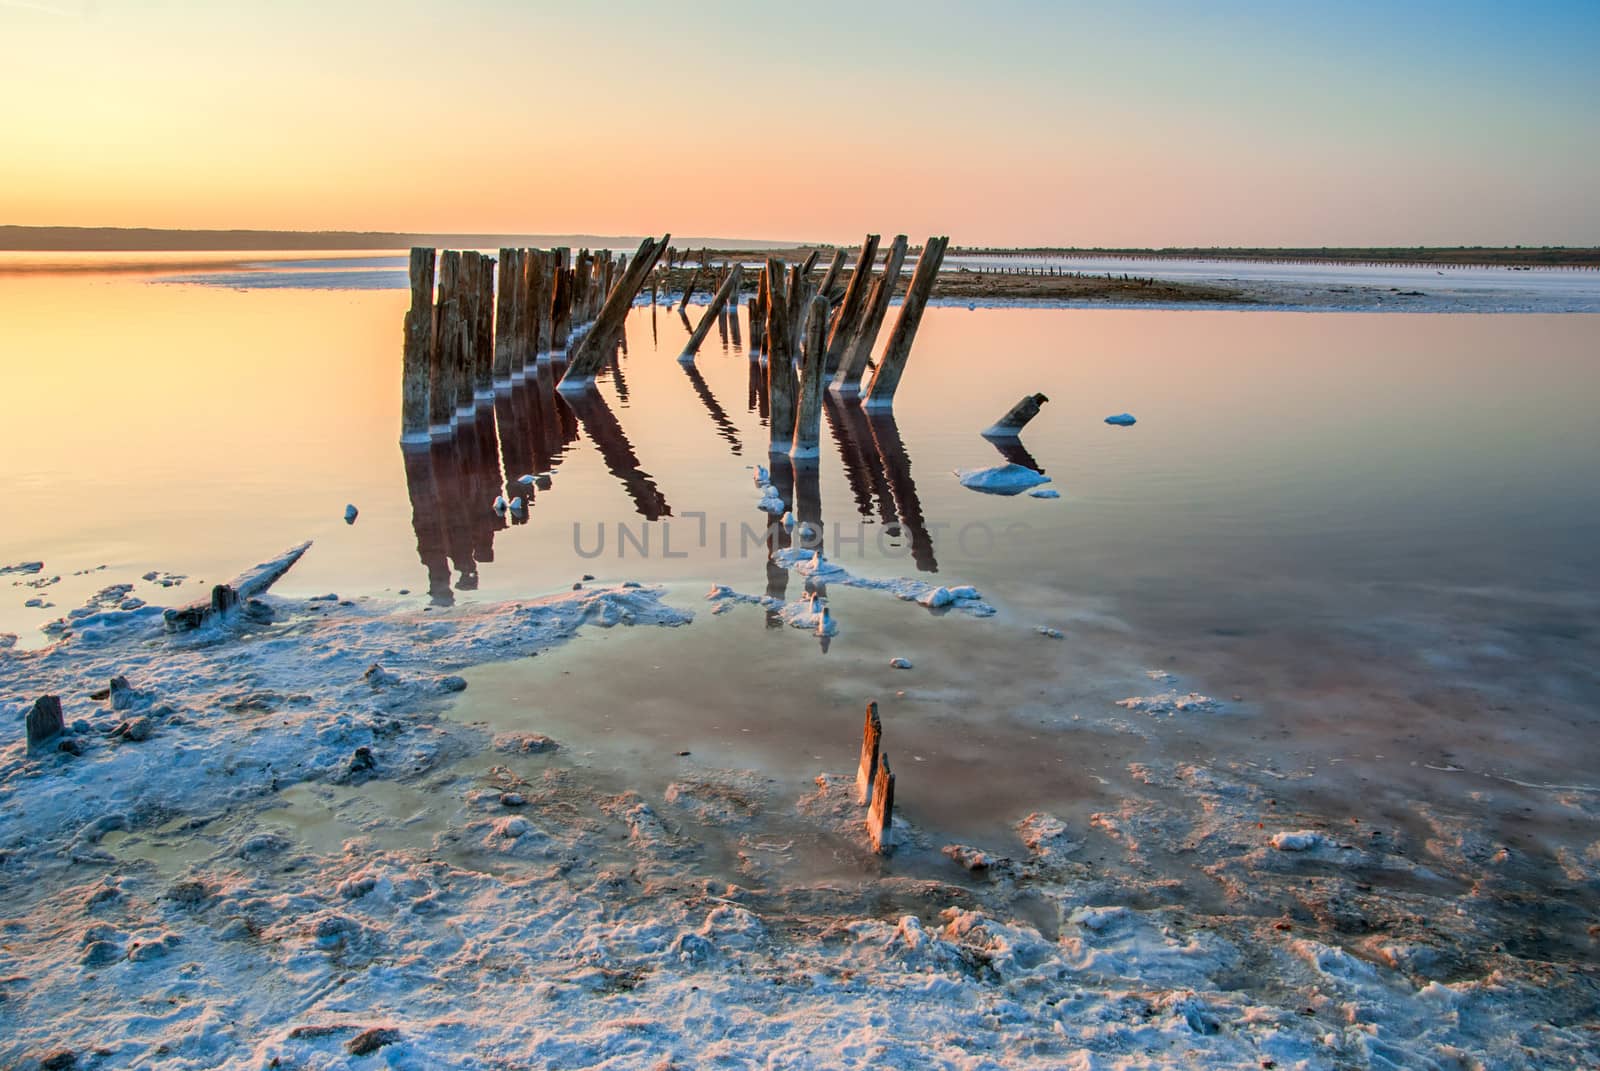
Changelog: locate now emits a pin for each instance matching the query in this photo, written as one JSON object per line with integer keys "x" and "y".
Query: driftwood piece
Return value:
{"x": 226, "y": 597}
{"x": 780, "y": 363}
{"x": 1011, "y": 425}
{"x": 855, "y": 295}
{"x": 858, "y": 351}
{"x": 867, "y": 768}
{"x": 415, "y": 385}
{"x": 808, "y": 418}
{"x": 880, "y": 812}
{"x": 719, "y": 301}
{"x": 886, "y": 379}
{"x": 44, "y": 721}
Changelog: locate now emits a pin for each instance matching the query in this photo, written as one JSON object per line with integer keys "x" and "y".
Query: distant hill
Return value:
{"x": 149, "y": 239}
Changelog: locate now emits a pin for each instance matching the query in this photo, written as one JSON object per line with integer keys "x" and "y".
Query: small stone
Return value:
{"x": 900, "y": 663}
{"x": 362, "y": 761}
{"x": 1048, "y": 632}
{"x": 683, "y": 754}
{"x": 513, "y": 827}
{"x": 99, "y": 953}
{"x": 350, "y": 514}
{"x": 379, "y": 677}
{"x": 121, "y": 693}
{"x": 60, "y": 1060}
{"x": 452, "y": 684}
{"x": 511, "y": 799}
{"x": 44, "y": 720}
{"x": 588, "y": 576}
{"x": 69, "y": 746}
{"x": 371, "y": 1040}
{"x": 135, "y": 730}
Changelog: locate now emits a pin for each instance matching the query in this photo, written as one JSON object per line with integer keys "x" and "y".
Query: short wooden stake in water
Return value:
{"x": 415, "y": 365}
{"x": 898, "y": 349}
{"x": 808, "y": 420}
{"x": 1011, "y": 425}
{"x": 729, "y": 287}
{"x": 44, "y": 721}
{"x": 880, "y": 812}
{"x": 867, "y": 768}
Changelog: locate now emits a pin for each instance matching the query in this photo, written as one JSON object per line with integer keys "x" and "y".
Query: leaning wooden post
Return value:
{"x": 688, "y": 289}
{"x": 867, "y": 768}
{"x": 729, "y": 287}
{"x": 592, "y": 352}
{"x": 415, "y": 385}
{"x": 444, "y": 359}
{"x": 854, "y": 295}
{"x": 780, "y": 363}
{"x": 799, "y": 302}
{"x": 831, "y": 276}
{"x": 880, "y": 814}
{"x": 859, "y": 349}
{"x": 808, "y": 421}
{"x": 896, "y": 351}
{"x": 1011, "y": 425}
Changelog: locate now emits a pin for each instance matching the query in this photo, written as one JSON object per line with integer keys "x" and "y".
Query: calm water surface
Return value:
{"x": 1378, "y": 531}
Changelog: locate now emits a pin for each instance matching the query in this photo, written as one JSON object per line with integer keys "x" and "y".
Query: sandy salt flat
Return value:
{"x": 242, "y": 887}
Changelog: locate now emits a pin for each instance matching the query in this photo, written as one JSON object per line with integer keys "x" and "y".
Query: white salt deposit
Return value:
{"x": 1001, "y": 479}
{"x": 1122, "y": 420}
{"x": 1170, "y": 703}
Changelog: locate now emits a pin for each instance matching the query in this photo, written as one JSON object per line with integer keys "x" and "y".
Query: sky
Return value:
{"x": 1001, "y": 122}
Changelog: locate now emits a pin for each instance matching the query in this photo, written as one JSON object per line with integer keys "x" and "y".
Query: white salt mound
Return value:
{"x": 1170, "y": 703}
{"x": 1121, "y": 420}
{"x": 1001, "y": 479}
{"x": 1298, "y": 841}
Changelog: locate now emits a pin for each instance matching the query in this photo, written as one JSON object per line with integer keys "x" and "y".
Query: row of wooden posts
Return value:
{"x": 483, "y": 322}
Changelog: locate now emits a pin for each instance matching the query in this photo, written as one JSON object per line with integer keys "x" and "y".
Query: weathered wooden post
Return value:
{"x": 855, "y": 294}
{"x": 898, "y": 349}
{"x": 688, "y": 289}
{"x": 508, "y": 290}
{"x": 808, "y": 421}
{"x": 719, "y": 301}
{"x": 415, "y": 385}
{"x": 799, "y": 302}
{"x": 483, "y": 332}
{"x": 867, "y": 768}
{"x": 591, "y": 353}
{"x": 44, "y": 722}
{"x": 442, "y": 361}
{"x": 780, "y": 363}
{"x": 752, "y": 308}
{"x": 859, "y": 349}
{"x": 561, "y": 311}
{"x": 880, "y": 813}
{"x": 831, "y": 276}
{"x": 547, "y": 296}
{"x": 758, "y": 330}
{"x": 1011, "y": 425}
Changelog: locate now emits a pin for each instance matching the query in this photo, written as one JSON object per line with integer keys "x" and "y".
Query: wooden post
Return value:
{"x": 751, "y": 306}
{"x": 688, "y": 288}
{"x": 561, "y": 310}
{"x": 855, "y": 295}
{"x": 442, "y": 356}
{"x": 859, "y": 349}
{"x": 808, "y": 422}
{"x": 867, "y": 768}
{"x": 880, "y": 814}
{"x": 831, "y": 276}
{"x": 483, "y": 332}
{"x": 44, "y": 722}
{"x": 415, "y": 367}
{"x": 898, "y": 349}
{"x": 546, "y": 302}
{"x": 1011, "y": 425}
{"x": 508, "y": 290}
{"x": 780, "y": 363}
{"x": 602, "y": 337}
{"x": 719, "y": 301}
{"x": 758, "y": 329}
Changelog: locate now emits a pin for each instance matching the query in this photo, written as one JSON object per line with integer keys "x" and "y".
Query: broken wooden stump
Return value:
{"x": 867, "y": 768}
{"x": 880, "y": 812}
{"x": 227, "y": 597}
{"x": 898, "y": 349}
{"x": 808, "y": 419}
{"x": 719, "y": 301}
{"x": 44, "y": 721}
{"x": 415, "y": 385}
{"x": 1011, "y": 425}
{"x": 858, "y": 351}
{"x": 855, "y": 295}
{"x": 831, "y": 276}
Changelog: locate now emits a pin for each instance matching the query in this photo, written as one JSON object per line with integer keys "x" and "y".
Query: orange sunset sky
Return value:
{"x": 1002, "y": 122}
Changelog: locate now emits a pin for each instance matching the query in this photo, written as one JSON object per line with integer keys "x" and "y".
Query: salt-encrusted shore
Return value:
{"x": 480, "y": 902}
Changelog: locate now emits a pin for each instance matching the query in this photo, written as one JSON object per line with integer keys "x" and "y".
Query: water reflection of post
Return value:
{"x": 601, "y": 425}
{"x": 782, "y": 478}
{"x": 733, "y": 321}
{"x": 1013, "y": 451}
{"x": 862, "y": 467}
{"x": 516, "y": 455}
{"x": 897, "y": 464}
{"x": 719, "y": 416}
{"x": 427, "y": 521}
{"x": 482, "y": 462}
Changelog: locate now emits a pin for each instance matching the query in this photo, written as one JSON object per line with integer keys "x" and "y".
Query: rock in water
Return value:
{"x": 900, "y": 663}
{"x": 350, "y": 513}
{"x": 44, "y": 720}
{"x": 1121, "y": 420}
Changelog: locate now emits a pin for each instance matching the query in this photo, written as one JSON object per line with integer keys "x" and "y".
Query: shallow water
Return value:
{"x": 1377, "y": 531}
